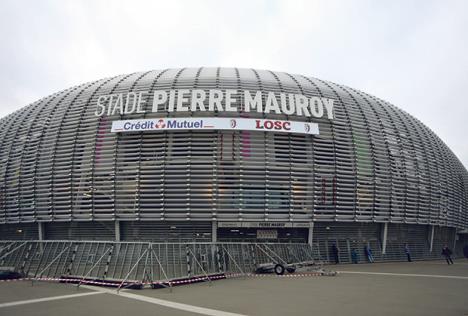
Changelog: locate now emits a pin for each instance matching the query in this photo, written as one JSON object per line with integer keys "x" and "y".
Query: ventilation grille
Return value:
{"x": 27, "y": 231}
{"x": 80, "y": 231}
{"x": 166, "y": 231}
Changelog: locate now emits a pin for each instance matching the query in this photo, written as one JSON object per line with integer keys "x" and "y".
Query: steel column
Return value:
{"x": 311, "y": 234}
{"x": 214, "y": 231}
{"x": 117, "y": 230}
{"x": 384, "y": 238}
{"x": 431, "y": 240}
{"x": 41, "y": 231}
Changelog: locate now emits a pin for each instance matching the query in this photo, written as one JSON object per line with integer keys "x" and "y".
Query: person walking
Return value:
{"x": 368, "y": 252}
{"x": 335, "y": 253}
{"x": 354, "y": 256}
{"x": 447, "y": 253}
{"x": 408, "y": 253}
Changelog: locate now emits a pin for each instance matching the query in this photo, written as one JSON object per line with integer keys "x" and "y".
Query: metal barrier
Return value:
{"x": 143, "y": 262}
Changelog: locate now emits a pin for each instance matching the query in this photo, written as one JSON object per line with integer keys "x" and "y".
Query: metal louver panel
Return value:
{"x": 372, "y": 163}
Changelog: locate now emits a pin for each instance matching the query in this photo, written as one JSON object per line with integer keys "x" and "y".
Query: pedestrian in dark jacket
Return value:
{"x": 408, "y": 253}
{"x": 335, "y": 253}
{"x": 447, "y": 253}
{"x": 368, "y": 253}
{"x": 354, "y": 256}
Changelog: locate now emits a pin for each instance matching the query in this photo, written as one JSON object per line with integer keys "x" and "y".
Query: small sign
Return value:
{"x": 263, "y": 224}
{"x": 267, "y": 234}
{"x": 229, "y": 224}
{"x": 268, "y": 224}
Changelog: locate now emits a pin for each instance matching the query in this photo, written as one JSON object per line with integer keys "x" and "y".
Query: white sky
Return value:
{"x": 413, "y": 54}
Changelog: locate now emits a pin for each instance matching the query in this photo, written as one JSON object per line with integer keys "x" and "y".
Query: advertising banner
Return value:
{"x": 215, "y": 123}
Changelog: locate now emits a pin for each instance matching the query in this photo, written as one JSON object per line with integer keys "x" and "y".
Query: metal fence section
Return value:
{"x": 141, "y": 262}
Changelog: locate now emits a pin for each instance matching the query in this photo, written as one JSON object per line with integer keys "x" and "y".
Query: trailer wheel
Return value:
{"x": 279, "y": 269}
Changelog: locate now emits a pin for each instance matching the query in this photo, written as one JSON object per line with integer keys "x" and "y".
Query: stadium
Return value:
{"x": 229, "y": 155}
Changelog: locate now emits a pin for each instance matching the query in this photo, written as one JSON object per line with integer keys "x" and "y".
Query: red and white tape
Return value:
{"x": 169, "y": 283}
{"x": 72, "y": 280}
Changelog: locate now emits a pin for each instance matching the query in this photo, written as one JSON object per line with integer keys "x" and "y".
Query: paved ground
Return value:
{"x": 418, "y": 288}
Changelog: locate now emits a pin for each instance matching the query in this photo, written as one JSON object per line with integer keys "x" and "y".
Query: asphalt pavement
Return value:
{"x": 416, "y": 288}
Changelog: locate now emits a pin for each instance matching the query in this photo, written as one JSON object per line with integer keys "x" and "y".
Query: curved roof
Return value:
{"x": 372, "y": 162}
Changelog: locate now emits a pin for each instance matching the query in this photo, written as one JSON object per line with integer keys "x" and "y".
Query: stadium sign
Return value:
{"x": 264, "y": 224}
{"x": 198, "y": 100}
{"x": 215, "y": 123}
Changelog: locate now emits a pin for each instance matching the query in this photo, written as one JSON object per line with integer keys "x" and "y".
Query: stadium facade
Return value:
{"x": 229, "y": 154}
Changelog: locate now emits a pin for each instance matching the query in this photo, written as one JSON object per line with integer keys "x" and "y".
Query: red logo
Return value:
{"x": 160, "y": 124}
{"x": 276, "y": 125}
{"x": 233, "y": 123}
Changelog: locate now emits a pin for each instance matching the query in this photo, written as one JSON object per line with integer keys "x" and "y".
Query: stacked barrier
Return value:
{"x": 126, "y": 263}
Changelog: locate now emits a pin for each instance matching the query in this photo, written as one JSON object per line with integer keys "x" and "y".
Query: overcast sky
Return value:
{"x": 413, "y": 54}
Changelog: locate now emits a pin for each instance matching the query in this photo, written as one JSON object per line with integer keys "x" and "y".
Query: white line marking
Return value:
{"x": 45, "y": 299}
{"x": 170, "y": 304}
{"x": 409, "y": 274}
